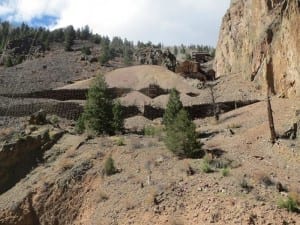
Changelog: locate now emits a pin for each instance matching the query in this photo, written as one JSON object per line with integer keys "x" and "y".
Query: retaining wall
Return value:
{"x": 68, "y": 110}
{"x": 66, "y": 94}
{"x": 72, "y": 111}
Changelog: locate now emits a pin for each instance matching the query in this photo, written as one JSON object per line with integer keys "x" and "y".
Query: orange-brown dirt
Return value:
{"x": 67, "y": 184}
{"x": 154, "y": 187}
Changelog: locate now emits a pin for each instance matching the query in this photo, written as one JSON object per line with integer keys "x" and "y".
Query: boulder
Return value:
{"x": 155, "y": 56}
{"x": 38, "y": 118}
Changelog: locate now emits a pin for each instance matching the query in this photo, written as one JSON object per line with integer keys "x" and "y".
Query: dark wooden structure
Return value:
{"x": 201, "y": 57}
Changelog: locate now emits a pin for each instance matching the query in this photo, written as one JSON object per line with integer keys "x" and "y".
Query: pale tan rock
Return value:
{"x": 261, "y": 38}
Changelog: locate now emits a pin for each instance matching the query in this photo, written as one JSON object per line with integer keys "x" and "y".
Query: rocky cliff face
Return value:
{"x": 259, "y": 39}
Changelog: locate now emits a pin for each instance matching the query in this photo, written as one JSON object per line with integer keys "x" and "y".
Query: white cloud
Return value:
{"x": 5, "y": 10}
{"x": 28, "y": 9}
{"x": 167, "y": 21}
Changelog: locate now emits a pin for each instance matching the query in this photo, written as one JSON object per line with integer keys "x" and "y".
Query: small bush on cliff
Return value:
{"x": 290, "y": 204}
{"x": 86, "y": 51}
{"x": 80, "y": 125}
{"x": 109, "y": 167}
{"x": 99, "y": 114}
{"x": 9, "y": 62}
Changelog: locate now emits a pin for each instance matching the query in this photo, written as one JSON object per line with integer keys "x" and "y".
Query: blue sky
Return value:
{"x": 167, "y": 21}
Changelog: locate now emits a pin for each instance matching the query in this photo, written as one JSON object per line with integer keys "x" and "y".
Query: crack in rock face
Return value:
{"x": 254, "y": 32}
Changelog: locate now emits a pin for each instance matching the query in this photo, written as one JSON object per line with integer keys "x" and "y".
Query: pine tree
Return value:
{"x": 182, "y": 49}
{"x": 85, "y": 33}
{"x": 97, "y": 114}
{"x": 105, "y": 55}
{"x": 173, "y": 107}
{"x": 181, "y": 136}
{"x": 118, "y": 120}
{"x": 127, "y": 56}
{"x": 96, "y": 39}
{"x": 175, "y": 50}
{"x": 70, "y": 36}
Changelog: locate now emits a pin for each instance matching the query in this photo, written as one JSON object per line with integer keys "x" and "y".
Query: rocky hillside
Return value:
{"x": 259, "y": 40}
{"x": 246, "y": 179}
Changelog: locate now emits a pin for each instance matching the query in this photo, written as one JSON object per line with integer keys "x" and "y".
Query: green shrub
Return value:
{"x": 86, "y": 51}
{"x": 120, "y": 141}
{"x": 188, "y": 56}
{"x": 109, "y": 167}
{"x": 80, "y": 124}
{"x": 206, "y": 168}
{"x": 149, "y": 130}
{"x": 290, "y": 204}
{"x": 225, "y": 172}
{"x": 8, "y": 62}
{"x": 54, "y": 119}
{"x": 206, "y": 165}
{"x": 153, "y": 131}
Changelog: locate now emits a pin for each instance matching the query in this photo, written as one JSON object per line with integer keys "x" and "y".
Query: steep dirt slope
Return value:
{"x": 260, "y": 38}
{"x": 154, "y": 187}
{"x": 54, "y": 69}
{"x": 140, "y": 77}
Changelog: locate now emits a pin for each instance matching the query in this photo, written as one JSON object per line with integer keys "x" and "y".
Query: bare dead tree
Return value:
{"x": 270, "y": 118}
{"x": 269, "y": 76}
{"x": 213, "y": 99}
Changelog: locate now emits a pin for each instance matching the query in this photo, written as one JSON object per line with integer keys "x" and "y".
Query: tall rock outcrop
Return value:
{"x": 260, "y": 40}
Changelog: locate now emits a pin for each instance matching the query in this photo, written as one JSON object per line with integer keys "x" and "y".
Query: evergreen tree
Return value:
{"x": 97, "y": 114}
{"x": 86, "y": 50}
{"x": 58, "y": 35}
{"x": 140, "y": 44}
{"x": 70, "y": 36}
{"x": 96, "y": 39}
{"x": 105, "y": 54}
{"x": 182, "y": 49}
{"x": 118, "y": 120}
{"x": 173, "y": 107}
{"x": 117, "y": 46}
{"x": 175, "y": 50}
{"x": 128, "y": 56}
{"x": 181, "y": 137}
{"x": 44, "y": 38}
{"x": 85, "y": 33}
{"x": 78, "y": 34}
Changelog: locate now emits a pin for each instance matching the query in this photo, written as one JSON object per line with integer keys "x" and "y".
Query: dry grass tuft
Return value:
{"x": 65, "y": 164}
